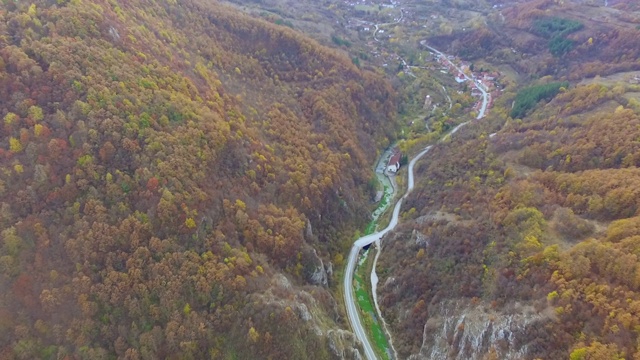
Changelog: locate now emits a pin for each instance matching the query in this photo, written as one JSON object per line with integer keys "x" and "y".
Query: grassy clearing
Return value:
{"x": 368, "y": 313}
{"x": 367, "y": 8}
{"x": 384, "y": 202}
{"x": 371, "y": 227}
{"x": 365, "y": 302}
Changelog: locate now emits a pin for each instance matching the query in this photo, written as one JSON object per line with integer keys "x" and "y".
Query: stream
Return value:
{"x": 353, "y": 310}
{"x": 350, "y": 301}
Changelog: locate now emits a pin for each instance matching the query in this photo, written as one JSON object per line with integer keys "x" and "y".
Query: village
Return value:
{"x": 480, "y": 81}
{"x": 381, "y": 25}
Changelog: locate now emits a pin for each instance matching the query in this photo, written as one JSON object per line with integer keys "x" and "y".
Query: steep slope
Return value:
{"x": 524, "y": 244}
{"x": 173, "y": 175}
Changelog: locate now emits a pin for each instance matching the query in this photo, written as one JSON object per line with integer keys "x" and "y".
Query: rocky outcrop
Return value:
{"x": 464, "y": 331}
{"x": 343, "y": 345}
{"x": 312, "y": 307}
{"x": 314, "y": 268}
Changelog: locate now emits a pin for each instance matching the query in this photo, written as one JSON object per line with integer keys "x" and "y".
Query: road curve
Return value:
{"x": 479, "y": 85}
{"x": 377, "y": 26}
{"x": 349, "y": 296}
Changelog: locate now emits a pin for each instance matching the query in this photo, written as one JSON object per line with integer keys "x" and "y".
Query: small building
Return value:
{"x": 460, "y": 78}
{"x": 489, "y": 77}
{"x": 427, "y": 102}
{"x": 394, "y": 162}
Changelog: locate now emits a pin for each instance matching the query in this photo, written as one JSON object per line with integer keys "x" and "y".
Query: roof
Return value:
{"x": 395, "y": 158}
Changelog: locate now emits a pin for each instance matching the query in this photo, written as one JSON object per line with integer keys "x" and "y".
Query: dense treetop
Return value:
{"x": 162, "y": 164}
{"x": 544, "y": 213}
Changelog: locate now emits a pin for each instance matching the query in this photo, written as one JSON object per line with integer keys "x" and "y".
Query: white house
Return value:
{"x": 394, "y": 162}
{"x": 427, "y": 102}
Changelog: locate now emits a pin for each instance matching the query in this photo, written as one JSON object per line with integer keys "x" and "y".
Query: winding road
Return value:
{"x": 479, "y": 86}
{"x": 377, "y": 26}
{"x": 353, "y": 312}
{"x": 349, "y": 295}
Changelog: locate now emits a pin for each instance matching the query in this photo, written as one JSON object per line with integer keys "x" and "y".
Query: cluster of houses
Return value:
{"x": 493, "y": 89}
{"x": 488, "y": 79}
{"x": 393, "y": 3}
{"x": 463, "y": 73}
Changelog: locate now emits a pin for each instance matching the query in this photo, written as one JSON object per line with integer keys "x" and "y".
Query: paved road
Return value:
{"x": 351, "y": 304}
{"x": 446, "y": 93}
{"x": 349, "y": 295}
{"x": 377, "y": 26}
{"x": 479, "y": 86}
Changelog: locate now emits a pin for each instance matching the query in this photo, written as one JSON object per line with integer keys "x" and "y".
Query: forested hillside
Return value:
{"x": 172, "y": 176}
{"x": 543, "y": 215}
{"x": 560, "y": 38}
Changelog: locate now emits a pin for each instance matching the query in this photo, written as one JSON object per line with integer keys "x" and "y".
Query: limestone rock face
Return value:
{"x": 461, "y": 330}
{"x": 314, "y": 268}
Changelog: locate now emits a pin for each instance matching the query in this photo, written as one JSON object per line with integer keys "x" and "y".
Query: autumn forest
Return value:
{"x": 171, "y": 177}
{"x": 183, "y": 180}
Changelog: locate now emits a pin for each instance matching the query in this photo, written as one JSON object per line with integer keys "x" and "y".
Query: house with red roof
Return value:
{"x": 394, "y": 162}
